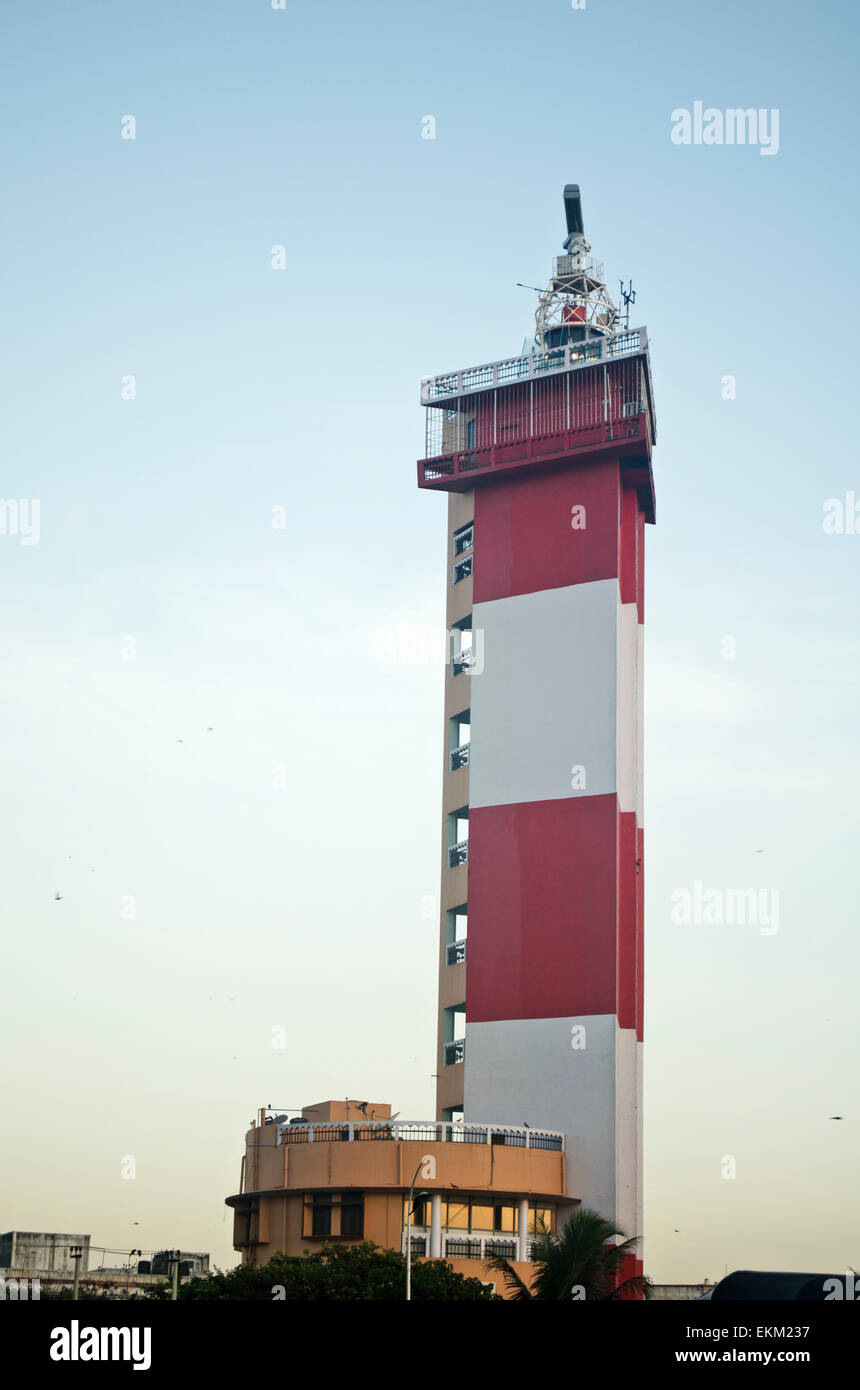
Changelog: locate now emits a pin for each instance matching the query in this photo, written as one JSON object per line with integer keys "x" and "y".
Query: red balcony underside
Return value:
{"x": 627, "y": 440}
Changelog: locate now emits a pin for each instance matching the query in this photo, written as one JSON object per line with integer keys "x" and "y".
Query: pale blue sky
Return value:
{"x": 258, "y": 388}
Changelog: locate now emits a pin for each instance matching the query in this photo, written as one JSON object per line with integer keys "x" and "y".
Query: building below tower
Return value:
{"x": 338, "y": 1173}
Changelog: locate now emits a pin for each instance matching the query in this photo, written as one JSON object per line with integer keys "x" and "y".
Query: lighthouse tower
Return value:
{"x": 546, "y": 459}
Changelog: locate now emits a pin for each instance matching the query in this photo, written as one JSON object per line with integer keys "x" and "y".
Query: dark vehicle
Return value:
{"x": 754, "y": 1285}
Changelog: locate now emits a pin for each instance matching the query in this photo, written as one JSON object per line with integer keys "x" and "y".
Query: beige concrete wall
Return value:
{"x": 476, "y": 1269}
{"x": 452, "y": 983}
{"x": 374, "y": 1164}
{"x": 455, "y": 793}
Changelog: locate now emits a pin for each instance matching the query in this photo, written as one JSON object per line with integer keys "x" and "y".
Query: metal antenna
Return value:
{"x": 629, "y": 297}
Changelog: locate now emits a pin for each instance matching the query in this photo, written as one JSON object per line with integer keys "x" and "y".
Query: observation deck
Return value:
{"x": 541, "y": 410}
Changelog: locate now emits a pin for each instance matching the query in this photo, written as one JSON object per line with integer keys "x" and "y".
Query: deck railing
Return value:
{"x": 534, "y": 364}
{"x": 458, "y": 854}
{"x": 421, "y": 1131}
{"x": 458, "y": 757}
{"x": 456, "y": 1245}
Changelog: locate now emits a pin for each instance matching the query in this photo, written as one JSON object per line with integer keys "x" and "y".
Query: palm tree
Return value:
{"x": 576, "y": 1263}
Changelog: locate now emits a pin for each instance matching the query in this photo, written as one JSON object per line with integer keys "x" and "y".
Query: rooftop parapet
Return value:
{"x": 422, "y": 1131}
{"x": 436, "y": 390}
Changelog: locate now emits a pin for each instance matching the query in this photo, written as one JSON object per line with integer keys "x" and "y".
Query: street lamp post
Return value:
{"x": 173, "y": 1273}
{"x": 409, "y": 1231}
{"x": 76, "y": 1252}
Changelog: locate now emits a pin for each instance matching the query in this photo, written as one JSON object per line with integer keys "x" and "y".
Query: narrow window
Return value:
{"x": 464, "y": 539}
{"x": 321, "y": 1223}
{"x": 456, "y": 928}
{"x": 458, "y": 837}
{"x": 421, "y": 1212}
{"x": 462, "y": 569}
{"x": 459, "y": 733}
{"x": 505, "y": 1219}
{"x": 461, "y": 647}
{"x": 352, "y": 1213}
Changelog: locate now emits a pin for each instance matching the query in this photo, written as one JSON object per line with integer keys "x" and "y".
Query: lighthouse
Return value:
{"x": 546, "y": 460}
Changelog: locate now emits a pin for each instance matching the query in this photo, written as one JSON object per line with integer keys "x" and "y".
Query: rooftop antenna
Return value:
{"x": 629, "y": 297}
{"x": 575, "y": 243}
{"x": 575, "y": 306}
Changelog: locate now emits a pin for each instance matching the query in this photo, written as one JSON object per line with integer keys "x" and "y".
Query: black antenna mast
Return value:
{"x": 629, "y": 297}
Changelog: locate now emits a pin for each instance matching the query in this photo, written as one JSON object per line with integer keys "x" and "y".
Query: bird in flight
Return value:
{"x": 835, "y": 1117}
{"x": 58, "y": 897}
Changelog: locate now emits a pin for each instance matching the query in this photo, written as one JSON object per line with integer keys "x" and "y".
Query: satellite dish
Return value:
{"x": 279, "y": 1120}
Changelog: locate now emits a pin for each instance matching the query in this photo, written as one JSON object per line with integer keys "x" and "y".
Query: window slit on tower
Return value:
{"x": 461, "y": 647}
{"x": 459, "y": 744}
{"x": 464, "y": 538}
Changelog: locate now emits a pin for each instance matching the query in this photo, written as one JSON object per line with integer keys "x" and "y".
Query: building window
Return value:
{"x": 352, "y": 1213}
{"x": 462, "y": 569}
{"x": 505, "y": 1218}
{"x": 420, "y": 1211}
{"x": 321, "y": 1214}
{"x": 464, "y": 539}
{"x": 457, "y": 1216}
{"x": 541, "y": 1217}
{"x": 461, "y": 646}
{"x": 246, "y": 1224}
{"x": 479, "y": 1218}
{"x": 459, "y": 735}
{"x": 458, "y": 837}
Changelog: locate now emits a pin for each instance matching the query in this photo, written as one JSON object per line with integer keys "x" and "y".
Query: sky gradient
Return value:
{"x": 198, "y": 909}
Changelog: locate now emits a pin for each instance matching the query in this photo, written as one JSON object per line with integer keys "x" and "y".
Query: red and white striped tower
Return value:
{"x": 547, "y": 461}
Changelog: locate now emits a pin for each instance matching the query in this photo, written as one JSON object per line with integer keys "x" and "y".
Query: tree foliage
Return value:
{"x": 362, "y": 1272}
{"x": 578, "y": 1262}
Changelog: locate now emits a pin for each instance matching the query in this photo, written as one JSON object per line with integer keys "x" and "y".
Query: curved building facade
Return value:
{"x": 478, "y": 1190}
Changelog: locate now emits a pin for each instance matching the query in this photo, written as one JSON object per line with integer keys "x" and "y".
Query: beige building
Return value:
{"x": 340, "y": 1172}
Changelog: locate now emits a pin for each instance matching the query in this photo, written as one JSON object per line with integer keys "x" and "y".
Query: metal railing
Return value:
{"x": 455, "y": 1052}
{"x": 458, "y": 854}
{"x": 455, "y": 953}
{"x": 564, "y": 266}
{"x": 464, "y": 538}
{"x": 461, "y": 662}
{"x": 422, "y": 1131}
{"x": 457, "y": 1246}
{"x": 459, "y": 757}
{"x": 462, "y": 569}
{"x": 567, "y": 358}
{"x": 479, "y": 429}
